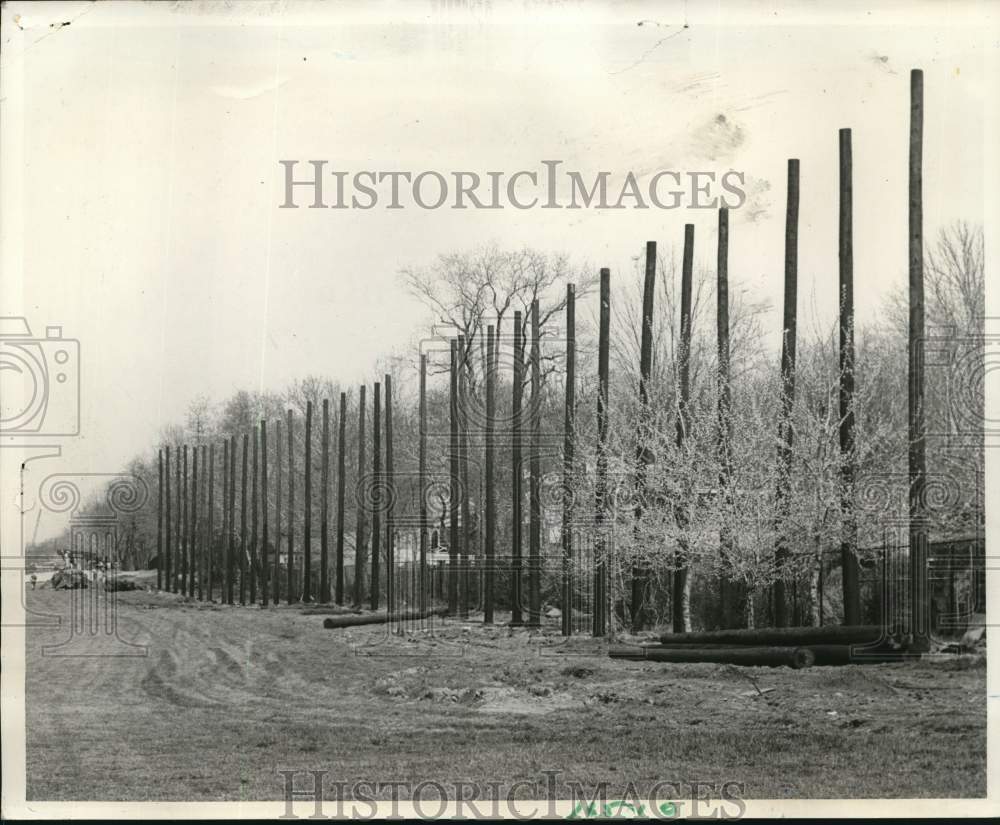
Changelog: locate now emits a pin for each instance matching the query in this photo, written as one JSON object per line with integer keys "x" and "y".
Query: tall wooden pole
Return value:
{"x": 207, "y": 519}
{"x": 917, "y": 460}
{"x": 600, "y": 597}
{"x": 535, "y": 485}
{"x": 178, "y": 526}
{"x": 850, "y": 568}
{"x": 569, "y": 425}
{"x": 517, "y": 496}
{"x": 290, "y": 594}
{"x": 422, "y": 471}
{"x": 192, "y": 523}
{"x": 376, "y": 492}
{"x": 265, "y": 533}
{"x": 681, "y": 588}
{"x": 224, "y": 589}
{"x": 453, "y": 497}
{"x": 359, "y": 528}
{"x": 341, "y": 494}
{"x": 307, "y": 511}
{"x": 187, "y": 526}
{"x": 463, "y": 458}
{"x": 324, "y": 507}
{"x": 390, "y": 491}
{"x": 243, "y": 521}
{"x": 728, "y": 592}
{"x": 640, "y": 571}
{"x": 491, "y": 504}
{"x": 231, "y": 549}
{"x": 195, "y": 525}
{"x": 185, "y": 530}
{"x": 167, "y": 551}
{"x": 276, "y": 574}
{"x": 254, "y": 506}
{"x": 785, "y": 430}
{"x": 210, "y": 544}
{"x": 159, "y": 520}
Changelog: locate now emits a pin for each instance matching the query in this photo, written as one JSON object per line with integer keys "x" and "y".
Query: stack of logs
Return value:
{"x": 795, "y": 647}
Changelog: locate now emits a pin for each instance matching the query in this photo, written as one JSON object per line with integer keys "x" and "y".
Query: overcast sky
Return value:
{"x": 142, "y": 144}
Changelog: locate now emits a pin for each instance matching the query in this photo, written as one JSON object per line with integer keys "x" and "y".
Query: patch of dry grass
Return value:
{"x": 228, "y": 696}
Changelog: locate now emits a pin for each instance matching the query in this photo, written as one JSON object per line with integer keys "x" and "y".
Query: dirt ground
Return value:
{"x": 224, "y": 697}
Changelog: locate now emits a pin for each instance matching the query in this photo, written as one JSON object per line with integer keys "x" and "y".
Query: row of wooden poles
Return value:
{"x": 187, "y": 539}
{"x": 918, "y": 615}
{"x": 187, "y": 543}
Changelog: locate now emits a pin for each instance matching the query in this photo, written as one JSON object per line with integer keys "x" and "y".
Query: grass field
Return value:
{"x": 227, "y": 696}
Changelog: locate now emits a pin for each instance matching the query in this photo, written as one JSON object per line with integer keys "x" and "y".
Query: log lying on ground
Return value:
{"x": 858, "y": 655}
{"x": 783, "y": 636}
{"x": 381, "y": 618}
{"x": 794, "y": 657}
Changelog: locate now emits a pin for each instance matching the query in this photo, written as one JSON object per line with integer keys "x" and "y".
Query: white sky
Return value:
{"x": 141, "y": 178}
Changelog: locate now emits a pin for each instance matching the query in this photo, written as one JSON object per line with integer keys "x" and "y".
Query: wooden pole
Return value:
{"x": 491, "y": 504}
{"x": 681, "y": 590}
{"x": 224, "y": 538}
{"x": 307, "y": 511}
{"x": 243, "y": 521}
{"x": 290, "y": 594}
{"x": 535, "y": 485}
{"x": 341, "y": 493}
{"x": 463, "y": 457}
{"x": 207, "y": 520}
{"x": 195, "y": 526}
{"x": 178, "y": 525}
{"x": 210, "y": 544}
{"x": 231, "y": 549}
{"x": 644, "y": 457}
{"x": 917, "y": 460}
{"x": 867, "y": 635}
{"x": 168, "y": 572}
{"x": 276, "y": 575}
{"x": 793, "y": 657}
{"x": 376, "y": 492}
{"x": 600, "y": 504}
{"x": 335, "y": 622}
{"x": 159, "y": 520}
{"x": 785, "y": 431}
{"x": 568, "y": 448}
{"x": 728, "y": 592}
{"x": 517, "y": 496}
{"x": 264, "y": 509}
{"x": 851, "y": 570}
{"x": 185, "y": 530}
{"x": 454, "y": 487}
{"x": 324, "y": 507}
{"x": 254, "y": 504}
{"x": 390, "y": 492}
{"x": 422, "y": 471}
{"x": 359, "y": 541}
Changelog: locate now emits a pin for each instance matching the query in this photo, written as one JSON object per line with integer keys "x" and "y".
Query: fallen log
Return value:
{"x": 333, "y": 622}
{"x": 836, "y": 655}
{"x": 794, "y": 657}
{"x": 783, "y": 636}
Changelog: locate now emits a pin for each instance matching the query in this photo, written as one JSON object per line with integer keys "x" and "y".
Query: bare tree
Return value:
{"x": 467, "y": 291}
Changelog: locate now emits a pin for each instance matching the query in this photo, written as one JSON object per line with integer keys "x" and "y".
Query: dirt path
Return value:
{"x": 226, "y": 697}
